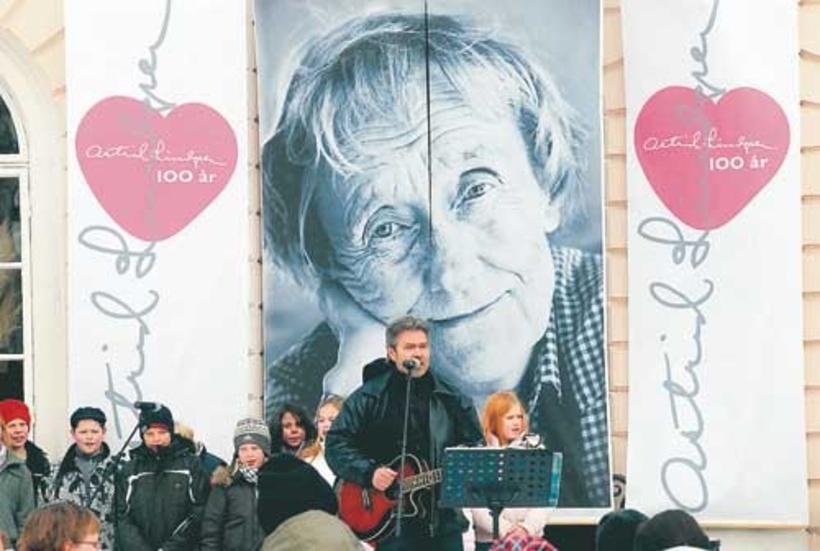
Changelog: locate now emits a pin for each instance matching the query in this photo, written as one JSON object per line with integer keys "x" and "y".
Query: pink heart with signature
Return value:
{"x": 706, "y": 161}
{"x": 153, "y": 173}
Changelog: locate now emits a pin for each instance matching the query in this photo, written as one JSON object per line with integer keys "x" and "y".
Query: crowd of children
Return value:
{"x": 276, "y": 493}
{"x": 167, "y": 493}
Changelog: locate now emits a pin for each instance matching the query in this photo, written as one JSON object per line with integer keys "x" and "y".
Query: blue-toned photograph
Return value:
{"x": 441, "y": 161}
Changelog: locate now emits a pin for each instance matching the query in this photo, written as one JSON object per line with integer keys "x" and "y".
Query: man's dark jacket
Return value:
{"x": 160, "y": 498}
{"x": 360, "y": 439}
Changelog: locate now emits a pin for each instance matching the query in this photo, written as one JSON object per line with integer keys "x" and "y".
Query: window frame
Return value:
{"x": 16, "y": 165}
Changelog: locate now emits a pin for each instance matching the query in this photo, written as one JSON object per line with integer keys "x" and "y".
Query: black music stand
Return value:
{"x": 497, "y": 478}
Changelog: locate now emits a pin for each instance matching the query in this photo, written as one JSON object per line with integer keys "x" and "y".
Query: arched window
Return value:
{"x": 33, "y": 242}
{"x": 14, "y": 225}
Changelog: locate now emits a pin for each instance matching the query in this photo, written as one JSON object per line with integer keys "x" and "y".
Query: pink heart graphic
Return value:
{"x": 706, "y": 161}
{"x": 154, "y": 174}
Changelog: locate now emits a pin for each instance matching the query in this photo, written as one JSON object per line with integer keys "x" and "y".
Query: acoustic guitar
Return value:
{"x": 370, "y": 513}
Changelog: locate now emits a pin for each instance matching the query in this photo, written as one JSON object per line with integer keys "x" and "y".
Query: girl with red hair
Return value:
{"x": 504, "y": 423}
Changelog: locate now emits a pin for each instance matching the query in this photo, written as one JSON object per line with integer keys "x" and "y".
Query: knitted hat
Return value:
{"x": 616, "y": 530}
{"x": 287, "y": 487}
{"x": 12, "y": 409}
{"x": 252, "y": 431}
{"x": 160, "y": 416}
{"x": 671, "y": 528}
{"x": 87, "y": 414}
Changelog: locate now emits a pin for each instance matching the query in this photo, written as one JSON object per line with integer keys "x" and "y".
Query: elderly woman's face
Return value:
{"x": 469, "y": 252}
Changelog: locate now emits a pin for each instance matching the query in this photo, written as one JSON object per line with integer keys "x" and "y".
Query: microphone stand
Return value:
{"x": 115, "y": 462}
{"x": 400, "y": 508}
{"x": 114, "y": 466}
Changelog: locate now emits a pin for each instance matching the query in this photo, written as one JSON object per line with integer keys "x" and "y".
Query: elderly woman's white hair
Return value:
{"x": 363, "y": 72}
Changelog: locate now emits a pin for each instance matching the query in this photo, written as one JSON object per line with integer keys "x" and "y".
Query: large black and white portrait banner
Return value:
{"x": 443, "y": 163}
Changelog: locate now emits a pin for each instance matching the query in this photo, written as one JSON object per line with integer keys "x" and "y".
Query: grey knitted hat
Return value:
{"x": 252, "y": 431}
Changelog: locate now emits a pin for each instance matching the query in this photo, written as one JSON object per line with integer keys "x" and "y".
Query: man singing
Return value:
{"x": 367, "y": 434}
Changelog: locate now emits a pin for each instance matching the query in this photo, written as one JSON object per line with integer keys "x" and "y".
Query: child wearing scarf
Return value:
{"x": 230, "y": 522}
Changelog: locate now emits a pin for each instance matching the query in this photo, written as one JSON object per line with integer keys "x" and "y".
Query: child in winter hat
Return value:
{"x": 158, "y": 417}
{"x": 252, "y": 431}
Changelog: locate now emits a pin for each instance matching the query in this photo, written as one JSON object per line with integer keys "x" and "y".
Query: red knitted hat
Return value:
{"x": 12, "y": 409}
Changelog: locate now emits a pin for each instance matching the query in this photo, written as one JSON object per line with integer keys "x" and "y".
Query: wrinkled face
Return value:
{"x": 89, "y": 436}
{"x": 411, "y": 345}
{"x": 512, "y": 425}
{"x": 327, "y": 414}
{"x": 156, "y": 437}
{"x": 468, "y": 253}
{"x": 16, "y": 433}
{"x": 292, "y": 433}
{"x": 251, "y": 455}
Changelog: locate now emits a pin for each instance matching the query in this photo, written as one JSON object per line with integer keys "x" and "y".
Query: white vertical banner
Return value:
{"x": 716, "y": 413}
{"x": 157, "y": 157}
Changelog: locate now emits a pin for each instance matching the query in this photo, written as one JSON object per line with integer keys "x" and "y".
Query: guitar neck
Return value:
{"x": 422, "y": 480}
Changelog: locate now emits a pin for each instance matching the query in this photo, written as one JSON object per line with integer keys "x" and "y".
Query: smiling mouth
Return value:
{"x": 454, "y": 320}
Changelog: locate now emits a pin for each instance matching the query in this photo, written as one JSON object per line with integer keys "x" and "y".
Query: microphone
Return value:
{"x": 148, "y": 406}
{"x": 409, "y": 364}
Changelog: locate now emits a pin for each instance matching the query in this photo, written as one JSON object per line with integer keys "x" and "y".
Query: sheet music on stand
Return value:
{"x": 498, "y": 478}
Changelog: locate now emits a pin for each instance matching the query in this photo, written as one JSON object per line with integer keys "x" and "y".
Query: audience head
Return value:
{"x": 287, "y": 487}
{"x": 60, "y": 526}
{"x": 156, "y": 427}
{"x": 326, "y": 413}
{"x": 503, "y": 418}
{"x": 669, "y": 529}
{"x": 616, "y": 530}
{"x": 88, "y": 429}
{"x": 291, "y": 429}
{"x": 18, "y": 422}
{"x": 251, "y": 442}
